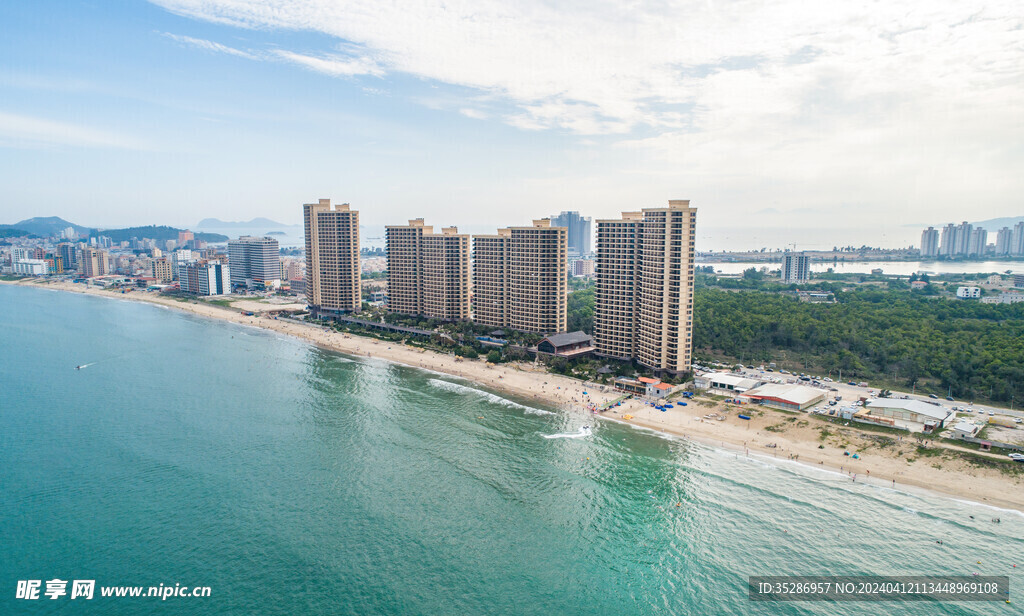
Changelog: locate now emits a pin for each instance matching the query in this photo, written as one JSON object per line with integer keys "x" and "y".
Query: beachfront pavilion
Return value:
{"x": 569, "y": 344}
{"x": 785, "y": 397}
{"x": 913, "y": 415}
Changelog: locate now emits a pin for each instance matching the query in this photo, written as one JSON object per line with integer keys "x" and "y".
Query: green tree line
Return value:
{"x": 970, "y": 349}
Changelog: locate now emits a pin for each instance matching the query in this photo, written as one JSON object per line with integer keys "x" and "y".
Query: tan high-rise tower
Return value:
{"x": 428, "y": 273}
{"x": 332, "y": 259}
{"x": 519, "y": 278}
{"x": 644, "y": 297}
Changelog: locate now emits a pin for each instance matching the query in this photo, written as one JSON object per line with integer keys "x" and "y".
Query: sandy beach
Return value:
{"x": 888, "y": 460}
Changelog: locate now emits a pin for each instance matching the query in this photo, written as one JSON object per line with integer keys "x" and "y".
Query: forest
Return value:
{"x": 962, "y": 348}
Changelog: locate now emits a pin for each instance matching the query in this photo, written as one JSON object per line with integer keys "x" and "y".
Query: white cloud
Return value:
{"x": 334, "y": 65}
{"x": 796, "y": 101}
{"x": 21, "y": 131}
{"x": 208, "y": 45}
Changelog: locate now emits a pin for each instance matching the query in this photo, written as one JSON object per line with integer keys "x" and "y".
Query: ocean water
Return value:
{"x": 292, "y": 480}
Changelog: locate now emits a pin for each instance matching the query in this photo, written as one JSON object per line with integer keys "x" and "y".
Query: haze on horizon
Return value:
{"x": 865, "y": 118}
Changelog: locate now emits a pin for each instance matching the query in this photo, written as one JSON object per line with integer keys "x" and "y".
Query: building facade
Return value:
{"x": 520, "y": 278}
{"x": 205, "y": 278}
{"x": 332, "y": 259}
{"x": 490, "y": 278}
{"x": 578, "y": 229}
{"x": 255, "y": 262}
{"x": 92, "y": 262}
{"x": 615, "y": 309}
{"x": 161, "y": 270}
{"x": 930, "y": 242}
{"x": 1004, "y": 242}
{"x": 1017, "y": 240}
{"x": 644, "y": 294}
{"x": 978, "y": 242}
{"x": 31, "y": 267}
{"x": 428, "y": 273}
{"x": 796, "y": 267}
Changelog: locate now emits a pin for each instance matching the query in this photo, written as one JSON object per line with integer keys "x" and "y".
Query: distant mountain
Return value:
{"x": 994, "y": 224}
{"x": 154, "y": 232}
{"x": 215, "y": 223}
{"x": 45, "y": 226}
{"x": 6, "y": 231}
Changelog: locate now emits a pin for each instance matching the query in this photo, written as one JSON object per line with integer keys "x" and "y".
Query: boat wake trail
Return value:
{"x": 462, "y": 389}
{"x": 584, "y": 432}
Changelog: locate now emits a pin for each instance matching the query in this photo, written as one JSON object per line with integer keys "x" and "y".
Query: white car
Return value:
{"x": 1017, "y": 457}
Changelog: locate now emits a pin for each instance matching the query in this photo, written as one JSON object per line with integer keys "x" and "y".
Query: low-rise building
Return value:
{"x": 725, "y": 383}
{"x": 1004, "y": 298}
{"x": 569, "y": 344}
{"x": 968, "y": 292}
{"x": 644, "y": 386}
{"x": 965, "y": 429}
{"x": 786, "y": 397}
{"x": 907, "y": 412}
{"x": 816, "y": 297}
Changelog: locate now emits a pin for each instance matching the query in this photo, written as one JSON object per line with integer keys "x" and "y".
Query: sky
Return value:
{"x": 792, "y": 122}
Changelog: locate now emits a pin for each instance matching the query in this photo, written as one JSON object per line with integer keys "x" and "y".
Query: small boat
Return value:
{"x": 747, "y": 417}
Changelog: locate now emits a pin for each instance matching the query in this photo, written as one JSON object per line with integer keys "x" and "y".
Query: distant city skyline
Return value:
{"x": 782, "y": 120}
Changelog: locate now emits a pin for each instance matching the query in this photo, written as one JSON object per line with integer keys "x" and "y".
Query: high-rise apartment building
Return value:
{"x": 92, "y": 262}
{"x": 54, "y": 263}
{"x": 978, "y": 242}
{"x": 930, "y": 242}
{"x": 947, "y": 246}
{"x": 428, "y": 273}
{"x": 161, "y": 270}
{"x": 963, "y": 238}
{"x": 1004, "y": 241}
{"x": 520, "y": 278}
{"x": 332, "y": 259}
{"x": 69, "y": 254}
{"x": 617, "y": 281}
{"x": 1017, "y": 241}
{"x": 578, "y": 229}
{"x": 446, "y": 275}
{"x": 255, "y": 262}
{"x": 291, "y": 269}
{"x": 490, "y": 278}
{"x": 796, "y": 267}
{"x": 205, "y": 278}
{"x": 405, "y": 266}
{"x": 644, "y": 295}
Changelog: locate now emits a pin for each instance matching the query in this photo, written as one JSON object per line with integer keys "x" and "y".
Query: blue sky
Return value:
{"x": 795, "y": 116}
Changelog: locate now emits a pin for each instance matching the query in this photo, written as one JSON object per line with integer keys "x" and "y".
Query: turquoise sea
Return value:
{"x": 292, "y": 480}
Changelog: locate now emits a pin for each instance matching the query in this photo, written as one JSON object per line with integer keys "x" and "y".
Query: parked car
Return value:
{"x": 950, "y": 398}
{"x": 933, "y": 396}
{"x": 1017, "y": 457}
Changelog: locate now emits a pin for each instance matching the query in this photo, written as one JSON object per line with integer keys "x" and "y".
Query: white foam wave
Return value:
{"x": 462, "y": 389}
{"x": 584, "y": 432}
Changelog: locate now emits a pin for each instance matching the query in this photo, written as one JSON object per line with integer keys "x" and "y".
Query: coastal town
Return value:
{"x": 493, "y": 309}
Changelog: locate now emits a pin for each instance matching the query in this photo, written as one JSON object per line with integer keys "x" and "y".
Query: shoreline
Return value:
{"x": 790, "y": 434}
